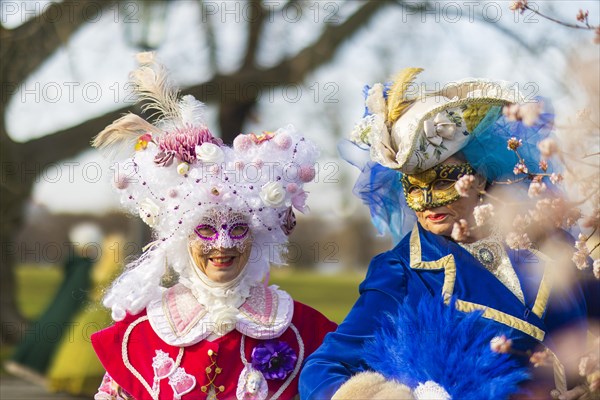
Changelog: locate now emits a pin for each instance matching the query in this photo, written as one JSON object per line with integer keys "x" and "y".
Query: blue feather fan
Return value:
{"x": 435, "y": 342}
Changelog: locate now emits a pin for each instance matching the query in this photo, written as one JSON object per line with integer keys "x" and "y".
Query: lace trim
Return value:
{"x": 490, "y": 253}
{"x": 181, "y": 382}
{"x": 266, "y": 314}
{"x": 185, "y": 313}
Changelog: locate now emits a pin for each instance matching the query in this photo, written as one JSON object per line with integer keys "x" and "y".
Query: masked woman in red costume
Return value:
{"x": 195, "y": 317}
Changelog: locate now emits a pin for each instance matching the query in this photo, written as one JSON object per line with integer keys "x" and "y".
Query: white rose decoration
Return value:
{"x": 209, "y": 153}
{"x": 273, "y": 194}
{"x": 439, "y": 128}
{"x": 149, "y": 212}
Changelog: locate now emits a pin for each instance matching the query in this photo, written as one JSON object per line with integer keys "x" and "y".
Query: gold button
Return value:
{"x": 210, "y": 352}
{"x": 203, "y": 388}
{"x": 208, "y": 370}
{"x": 218, "y": 370}
{"x": 222, "y": 388}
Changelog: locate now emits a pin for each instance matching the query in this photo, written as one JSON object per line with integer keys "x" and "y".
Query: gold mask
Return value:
{"x": 434, "y": 187}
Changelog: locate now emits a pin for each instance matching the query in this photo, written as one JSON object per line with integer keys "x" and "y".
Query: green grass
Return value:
{"x": 36, "y": 286}
{"x": 333, "y": 295}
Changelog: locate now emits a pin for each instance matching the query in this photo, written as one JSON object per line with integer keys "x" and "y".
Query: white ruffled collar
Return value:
{"x": 180, "y": 318}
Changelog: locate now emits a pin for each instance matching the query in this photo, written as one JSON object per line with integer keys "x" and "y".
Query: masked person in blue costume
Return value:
{"x": 434, "y": 161}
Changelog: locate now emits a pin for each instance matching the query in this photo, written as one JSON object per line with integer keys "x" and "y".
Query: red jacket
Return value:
{"x": 127, "y": 350}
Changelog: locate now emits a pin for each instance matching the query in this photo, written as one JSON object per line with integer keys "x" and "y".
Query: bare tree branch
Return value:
{"x": 294, "y": 69}
{"x": 222, "y": 87}
{"x": 209, "y": 32}
{"x": 255, "y": 28}
{"x": 27, "y": 46}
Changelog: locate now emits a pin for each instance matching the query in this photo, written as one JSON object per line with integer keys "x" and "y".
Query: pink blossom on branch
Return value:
{"x": 572, "y": 215}
{"x": 593, "y": 220}
{"x": 511, "y": 112}
{"x": 463, "y": 185}
{"x": 582, "y": 16}
{"x": 536, "y": 188}
{"x": 460, "y": 231}
{"x": 513, "y": 143}
{"x": 518, "y": 5}
{"x": 542, "y": 210}
{"x": 483, "y": 214}
{"x": 556, "y": 211}
{"x": 528, "y": 113}
{"x": 520, "y": 168}
{"x": 500, "y": 344}
{"x": 521, "y": 222}
{"x": 548, "y": 147}
{"x": 556, "y": 178}
{"x": 540, "y": 358}
{"x": 580, "y": 257}
{"x": 518, "y": 241}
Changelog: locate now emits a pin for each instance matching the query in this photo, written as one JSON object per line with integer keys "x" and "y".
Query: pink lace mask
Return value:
{"x": 220, "y": 229}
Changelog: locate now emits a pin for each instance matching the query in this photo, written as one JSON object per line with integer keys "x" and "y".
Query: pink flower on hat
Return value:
{"x": 181, "y": 143}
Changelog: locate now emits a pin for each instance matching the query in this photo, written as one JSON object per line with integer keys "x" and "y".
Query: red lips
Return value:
{"x": 436, "y": 217}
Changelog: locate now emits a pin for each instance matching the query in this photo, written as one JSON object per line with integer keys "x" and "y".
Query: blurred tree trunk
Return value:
{"x": 25, "y": 48}
{"x": 22, "y": 51}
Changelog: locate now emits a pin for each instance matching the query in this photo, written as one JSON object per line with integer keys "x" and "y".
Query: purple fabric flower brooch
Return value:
{"x": 274, "y": 358}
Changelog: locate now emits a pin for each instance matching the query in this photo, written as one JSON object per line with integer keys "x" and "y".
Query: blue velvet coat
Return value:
{"x": 425, "y": 264}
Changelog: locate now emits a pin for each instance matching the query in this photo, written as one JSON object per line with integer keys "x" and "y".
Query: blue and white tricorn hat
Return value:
{"x": 411, "y": 130}
{"x": 407, "y": 130}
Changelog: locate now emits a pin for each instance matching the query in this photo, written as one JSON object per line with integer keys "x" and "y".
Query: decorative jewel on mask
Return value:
{"x": 434, "y": 187}
{"x": 221, "y": 229}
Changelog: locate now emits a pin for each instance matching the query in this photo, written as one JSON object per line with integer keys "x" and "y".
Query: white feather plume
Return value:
{"x": 191, "y": 111}
{"x": 152, "y": 85}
